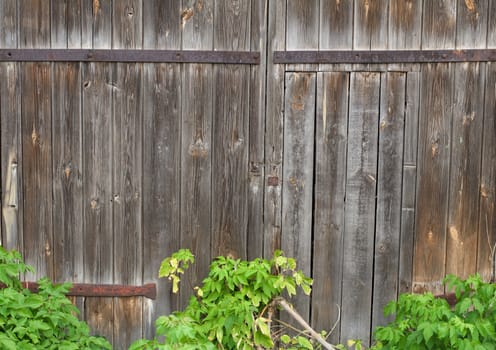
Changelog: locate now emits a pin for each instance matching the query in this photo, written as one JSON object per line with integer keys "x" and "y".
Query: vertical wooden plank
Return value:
{"x": 370, "y": 25}
{"x": 491, "y": 25}
{"x": 302, "y": 28}
{"x": 97, "y": 192}
{"x": 405, "y": 18}
{"x": 196, "y": 166}
{"x": 162, "y": 24}
{"x": 96, "y": 23}
{"x": 67, "y": 173}
{"x": 37, "y": 172}
{"x": 471, "y": 24}
{"x": 436, "y": 95}
{"x": 361, "y": 178}
{"x": 161, "y": 185}
{"x": 487, "y": 213}
{"x": 336, "y": 25}
{"x": 10, "y": 134}
{"x": 274, "y": 107}
{"x": 197, "y": 21}
{"x": 389, "y": 190}
{"x": 196, "y": 155}
{"x": 231, "y": 133}
{"x": 161, "y": 155}
{"x": 330, "y": 178}
{"x": 127, "y": 171}
{"x": 36, "y": 140}
{"x": 468, "y": 114}
{"x": 296, "y": 240}
{"x": 257, "y": 131}
{"x": 439, "y": 24}
{"x": 409, "y": 182}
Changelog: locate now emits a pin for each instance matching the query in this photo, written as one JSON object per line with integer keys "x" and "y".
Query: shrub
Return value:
{"x": 425, "y": 322}
{"x": 43, "y": 320}
{"x": 235, "y": 306}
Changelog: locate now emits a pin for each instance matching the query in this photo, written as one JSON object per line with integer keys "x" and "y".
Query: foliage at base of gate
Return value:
{"x": 423, "y": 321}
{"x": 43, "y": 320}
{"x": 234, "y": 308}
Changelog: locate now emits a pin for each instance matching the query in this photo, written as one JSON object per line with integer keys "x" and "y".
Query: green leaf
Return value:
{"x": 305, "y": 343}
{"x": 263, "y": 340}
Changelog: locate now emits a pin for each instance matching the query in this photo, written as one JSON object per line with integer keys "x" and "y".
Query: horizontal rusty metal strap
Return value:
{"x": 102, "y": 290}
{"x": 389, "y": 56}
{"x": 144, "y": 56}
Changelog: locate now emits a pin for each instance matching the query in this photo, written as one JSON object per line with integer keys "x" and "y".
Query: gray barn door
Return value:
{"x": 344, "y": 141}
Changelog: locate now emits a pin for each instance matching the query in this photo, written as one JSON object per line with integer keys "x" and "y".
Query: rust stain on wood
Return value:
{"x": 186, "y": 15}
{"x": 96, "y": 7}
{"x": 470, "y": 4}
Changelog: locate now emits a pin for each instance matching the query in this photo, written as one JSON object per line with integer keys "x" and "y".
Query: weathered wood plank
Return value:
{"x": 336, "y": 25}
{"x": 96, "y": 24}
{"x": 127, "y": 198}
{"x": 329, "y": 207}
{"x": 10, "y": 134}
{"x": 491, "y": 25}
{"x": 230, "y": 133}
{"x": 389, "y": 192}
{"x": 409, "y": 182}
{"x": 161, "y": 190}
{"x": 127, "y": 124}
{"x": 302, "y": 28}
{"x": 274, "y": 107}
{"x": 439, "y": 24}
{"x": 466, "y": 146}
{"x": 255, "y": 238}
{"x": 405, "y": 19}
{"x": 196, "y": 167}
{"x": 370, "y": 25}
{"x": 97, "y": 192}
{"x": 197, "y": 21}
{"x": 8, "y": 29}
{"x": 67, "y": 173}
{"x": 487, "y": 211}
{"x": 299, "y": 125}
{"x": 37, "y": 168}
{"x": 471, "y": 24}
{"x": 162, "y": 24}
{"x": 361, "y": 178}
{"x": 436, "y": 95}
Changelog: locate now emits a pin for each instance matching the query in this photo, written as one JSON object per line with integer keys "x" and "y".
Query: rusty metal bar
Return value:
{"x": 102, "y": 290}
{"x": 145, "y": 56}
{"x": 384, "y": 57}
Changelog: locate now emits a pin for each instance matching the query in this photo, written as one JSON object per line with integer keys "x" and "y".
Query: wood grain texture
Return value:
{"x": 255, "y": 239}
{"x": 487, "y": 213}
{"x": 8, "y": 29}
{"x": 10, "y": 134}
{"x": 97, "y": 192}
{"x": 435, "y": 119}
{"x": 196, "y": 168}
{"x": 439, "y": 24}
{"x": 471, "y": 24}
{"x": 127, "y": 178}
{"x": 409, "y": 182}
{"x": 197, "y": 21}
{"x": 491, "y": 25}
{"x": 370, "y": 25}
{"x": 161, "y": 193}
{"x": 162, "y": 24}
{"x": 96, "y": 24}
{"x": 67, "y": 173}
{"x": 405, "y": 19}
{"x": 299, "y": 129}
{"x": 329, "y": 193}
{"x": 389, "y": 192}
{"x": 302, "y": 29}
{"x": 336, "y": 28}
{"x": 37, "y": 168}
{"x": 466, "y": 145}
{"x": 127, "y": 172}
{"x": 232, "y": 25}
{"x": 361, "y": 179}
{"x": 274, "y": 120}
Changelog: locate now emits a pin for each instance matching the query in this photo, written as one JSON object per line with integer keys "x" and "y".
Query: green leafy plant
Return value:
{"x": 43, "y": 320}
{"x": 235, "y": 307}
{"x": 423, "y": 321}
